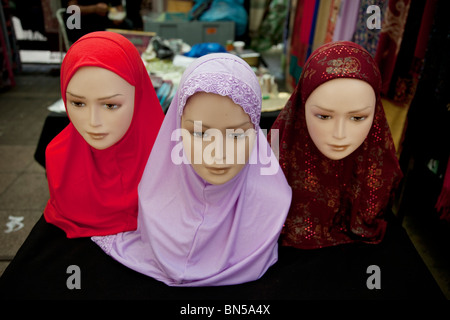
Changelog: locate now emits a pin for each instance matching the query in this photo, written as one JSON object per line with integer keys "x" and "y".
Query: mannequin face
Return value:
{"x": 217, "y": 137}
{"x": 339, "y": 114}
{"x": 100, "y": 104}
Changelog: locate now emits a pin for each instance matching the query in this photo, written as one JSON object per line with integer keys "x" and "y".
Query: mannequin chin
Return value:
{"x": 217, "y": 136}
{"x": 339, "y": 114}
{"x": 100, "y": 105}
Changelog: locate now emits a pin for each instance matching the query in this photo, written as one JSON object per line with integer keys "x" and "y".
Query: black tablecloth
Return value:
{"x": 54, "y": 124}
{"x": 40, "y": 271}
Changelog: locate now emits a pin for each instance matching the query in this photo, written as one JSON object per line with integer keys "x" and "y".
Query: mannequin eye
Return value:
{"x": 199, "y": 134}
{"x": 237, "y": 135}
{"x": 323, "y": 117}
{"x": 111, "y": 106}
{"x": 358, "y": 118}
{"x": 77, "y": 104}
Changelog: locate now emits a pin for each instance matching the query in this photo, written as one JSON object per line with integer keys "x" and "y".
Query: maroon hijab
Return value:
{"x": 336, "y": 201}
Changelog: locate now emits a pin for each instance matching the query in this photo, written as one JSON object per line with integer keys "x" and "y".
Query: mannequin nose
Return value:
{"x": 95, "y": 118}
{"x": 219, "y": 151}
{"x": 339, "y": 129}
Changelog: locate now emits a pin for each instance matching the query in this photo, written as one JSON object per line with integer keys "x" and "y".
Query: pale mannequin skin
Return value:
{"x": 218, "y": 113}
{"x": 339, "y": 114}
{"x": 100, "y": 105}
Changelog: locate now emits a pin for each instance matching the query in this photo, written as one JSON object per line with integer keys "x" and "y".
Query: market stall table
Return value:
{"x": 44, "y": 269}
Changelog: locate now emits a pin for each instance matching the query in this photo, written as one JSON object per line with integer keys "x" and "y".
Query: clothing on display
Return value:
{"x": 336, "y": 201}
{"x": 94, "y": 192}
{"x": 194, "y": 233}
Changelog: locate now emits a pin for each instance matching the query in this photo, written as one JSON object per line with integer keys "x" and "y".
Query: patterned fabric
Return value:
{"x": 339, "y": 59}
{"x": 336, "y": 201}
{"x": 365, "y": 37}
{"x": 407, "y": 70}
{"x": 225, "y": 85}
{"x": 390, "y": 39}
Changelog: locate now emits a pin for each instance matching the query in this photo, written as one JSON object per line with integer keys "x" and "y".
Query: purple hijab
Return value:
{"x": 190, "y": 232}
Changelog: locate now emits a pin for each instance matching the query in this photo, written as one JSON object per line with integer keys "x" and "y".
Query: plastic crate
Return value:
{"x": 192, "y": 32}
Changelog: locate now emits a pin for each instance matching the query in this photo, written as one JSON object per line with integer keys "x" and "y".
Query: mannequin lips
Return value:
{"x": 218, "y": 170}
{"x": 336, "y": 147}
{"x": 97, "y": 136}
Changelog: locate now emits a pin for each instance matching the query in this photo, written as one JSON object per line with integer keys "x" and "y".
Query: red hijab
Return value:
{"x": 94, "y": 192}
{"x": 336, "y": 201}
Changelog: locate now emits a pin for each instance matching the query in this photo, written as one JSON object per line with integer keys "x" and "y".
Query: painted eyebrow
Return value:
{"x": 75, "y": 95}
{"x": 231, "y": 127}
{"x": 351, "y": 112}
{"x": 99, "y": 99}
{"x": 110, "y": 97}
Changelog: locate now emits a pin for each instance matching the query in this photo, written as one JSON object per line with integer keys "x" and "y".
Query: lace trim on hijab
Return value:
{"x": 225, "y": 85}
{"x": 104, "y": 242}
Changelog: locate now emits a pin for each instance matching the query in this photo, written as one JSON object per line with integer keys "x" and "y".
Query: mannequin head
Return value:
{"x": 217, "y": 136}
{"x": 100, "y": 104}
{"x": 339, "y": 114}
